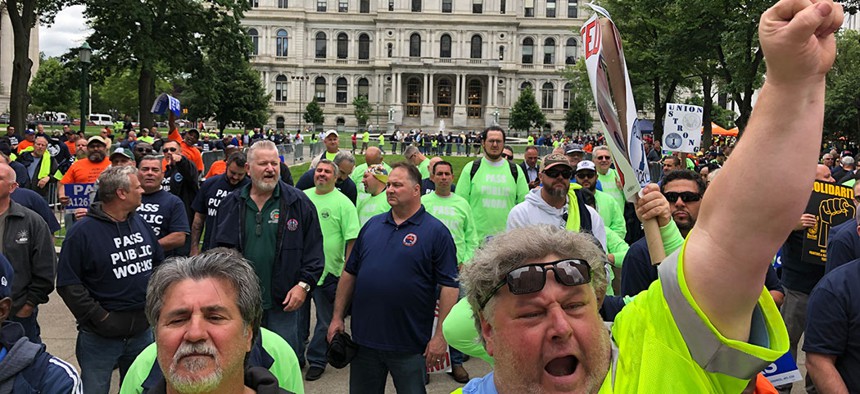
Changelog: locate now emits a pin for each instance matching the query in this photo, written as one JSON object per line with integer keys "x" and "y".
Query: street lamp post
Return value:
{"x": 84, "y": 54}
{"x": 301, "y": 81}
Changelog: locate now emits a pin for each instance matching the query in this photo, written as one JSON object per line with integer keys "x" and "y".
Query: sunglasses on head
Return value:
{"x": 168, "y": 150}
{"x": 565, "y": 173}
{"x": 685, "y": 196}
{"x": 532, "y": 278}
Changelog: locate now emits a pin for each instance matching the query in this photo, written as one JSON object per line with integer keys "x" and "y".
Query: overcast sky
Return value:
{"x": 68, "y": 31}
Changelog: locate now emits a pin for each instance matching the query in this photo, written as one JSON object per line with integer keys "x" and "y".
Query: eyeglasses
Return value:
{"x": 685, "y": 196}
{"x": 554, "y": 173}
{"x": 168, "y": 150}
{"x": 507, "y": 156}
{"x": 603, "y": 157}
{"x": 143, "y": 150}
{"x": 585, "y": 175}
{"x": 532, "y": 278}
{"x": 258, "y": 229}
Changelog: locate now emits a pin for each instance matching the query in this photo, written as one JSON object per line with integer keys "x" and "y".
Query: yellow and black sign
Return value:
{"x": 831, "y": 204}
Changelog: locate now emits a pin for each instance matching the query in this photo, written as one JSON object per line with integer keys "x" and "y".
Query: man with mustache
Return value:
{"x": 276, "y": 227}
{"x": 84, "y": 170}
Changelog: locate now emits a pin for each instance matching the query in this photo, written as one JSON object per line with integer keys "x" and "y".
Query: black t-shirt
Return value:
{"x": 833, "y": 324}
{"x": 180, "y": 179}
{"x": 213, "y": 191}
{"x": 797, "y": 275}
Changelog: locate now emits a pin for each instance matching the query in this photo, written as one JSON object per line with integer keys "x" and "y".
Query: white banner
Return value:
{"x": 682, "y": 128}
{"x": 610, "y": 85}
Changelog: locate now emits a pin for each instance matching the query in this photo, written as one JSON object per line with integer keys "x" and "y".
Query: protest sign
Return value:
{"x": 445, "y": 366}
{"x": 164, "y": 103}
{"x": 782, "y": 371}
{"x": 831, "y": 204}
{"x": 80, "y": 194}
{"x": 682, "y": 128}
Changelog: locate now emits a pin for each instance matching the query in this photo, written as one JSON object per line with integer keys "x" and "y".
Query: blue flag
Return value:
{"x": 166, "y": 102}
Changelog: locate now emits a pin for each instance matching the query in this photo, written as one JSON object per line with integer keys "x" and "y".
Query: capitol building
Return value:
{"x": 430, "y": 64}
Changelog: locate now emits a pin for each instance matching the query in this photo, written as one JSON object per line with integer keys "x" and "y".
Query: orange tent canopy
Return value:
{"x": 717, "y": 130}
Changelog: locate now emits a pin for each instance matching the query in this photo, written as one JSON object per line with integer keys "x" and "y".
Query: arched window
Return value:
{"x": 445, "y": 46}
{"x": 279, "y": 123}
{"x": 549, "y": 51}
{"x": 364, "y": 47}
{"x": 444, "y": 94}
{"x": 528, "y": 50}
{"x": 566, "y": 96}
{"x": 363, "y": 87}
{"x": 281, "y": 88}
{"x": 570, "y": 51}
{"x": 474, "y": 96}
{"x": 547, "y": 96}
{"x": 413, "y": 97}
{"x": 281, "y": 43}
{"x": 340, "y": 93}
{"x": 255, "y": 41}
{"x": 415, "y": 45}
{"x": 319, "y": 89}
{"x": 342, "y": 46}
{"x": 320, "y": 45}
{"x": 477, "y": 45}
{"x": 525, "y": 85}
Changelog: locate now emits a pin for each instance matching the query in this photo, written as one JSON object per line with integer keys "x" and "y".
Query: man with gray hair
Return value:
{"x": 845, "y": 171}
{"x": 205, "y": 312}
{"x": 345, "y": 163}
{"x": 276, "y": 227}
{"x": 105, "y": 263}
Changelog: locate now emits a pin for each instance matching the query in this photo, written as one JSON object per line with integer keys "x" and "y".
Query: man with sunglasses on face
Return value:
{"x": 613, "y": 216}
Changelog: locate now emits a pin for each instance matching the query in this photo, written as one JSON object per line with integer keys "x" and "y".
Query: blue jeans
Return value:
{"x": 369, "y": 370}
{"x": 31, "y": 327}
{"x": 318, "y": 346}
{"x": 285, "y": 324}
{"x": 98, "y": 356}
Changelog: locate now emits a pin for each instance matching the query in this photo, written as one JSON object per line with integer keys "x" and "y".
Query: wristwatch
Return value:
{"x": 305, "y": 286}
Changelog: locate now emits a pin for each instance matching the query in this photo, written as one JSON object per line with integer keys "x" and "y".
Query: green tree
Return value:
{"x": 526, "y": 113}
{"x": 117, "y": 93}
{"x": 314, "y": 113}
{"x": 578, "y": 117}
{"x": 146, "y": 35}
{"x": 53, "y": 87}
{"x": 841, "y": 103}
{"x": 362, "y": 110}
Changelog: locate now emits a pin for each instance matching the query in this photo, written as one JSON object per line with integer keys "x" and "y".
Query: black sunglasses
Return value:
{"x": 507, "y": 157}
{"x": 553, "y": 173}
{"x": 167, "y": 150}
{"x": 532, "y": 278}
{"x": 603, "y": 157}
{"x": 147, "y": 150}
{"x": 585, "y": 175}
{"x": 685, "y": 196}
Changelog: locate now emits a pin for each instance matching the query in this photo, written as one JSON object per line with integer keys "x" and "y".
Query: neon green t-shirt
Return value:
{"x": 330, "y": 156}
{"x": 424, "y": 169}
{"x": 531, "y": 140}
{"x": 372, "y": 206}
{"x": 365, "y": 137}
{"x": 491, "y": 194}
{"x": 607, "y": 182}
{"x": 339, "y": 224}
{"x": 381, "y": 138}
{"x": 285, "y": 368}
{"x": 611, "y": 213}
{"x": 849, "y": 183}
{"x": 456, "y": 213}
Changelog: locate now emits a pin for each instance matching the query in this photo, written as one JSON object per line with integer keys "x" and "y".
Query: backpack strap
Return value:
{"x": 584, "y": 216}
{"x": 475, "y": 165}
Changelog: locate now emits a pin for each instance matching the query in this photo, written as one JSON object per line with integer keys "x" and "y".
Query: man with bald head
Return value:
{"x": 372, "y": 157}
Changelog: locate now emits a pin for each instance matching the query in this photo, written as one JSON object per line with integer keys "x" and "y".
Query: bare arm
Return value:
{"x": 343, "y": 297}
{"x": 196, "y": 231}
{"x": 172, "y": 241}
{"x": 740, "y": 228}
{"x": 822, "y": 369}
{"x": 349, "y": 245}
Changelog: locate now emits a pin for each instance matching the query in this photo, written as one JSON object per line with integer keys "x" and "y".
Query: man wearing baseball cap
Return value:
{"x": 613, "y": 216}
{"x": 331, "y": 140}
{"x": 122, "y": 157}
{"x": 574, "y": 153}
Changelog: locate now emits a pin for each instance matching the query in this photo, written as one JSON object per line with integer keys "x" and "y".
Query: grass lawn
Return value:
{"x": 458, "y": 162}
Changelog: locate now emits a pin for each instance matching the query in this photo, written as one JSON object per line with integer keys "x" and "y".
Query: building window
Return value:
{"x": 255, "y": 3}
{"x": 255, "y": 41}
{"x": 319, "y": 89}
{"x": 443, "y": 99}
{"x": 281, "y": 41}
{"x": 477, "y": 6}
{"x": 447, "y": 7}
{"x": 363, "y": 47}
{"x": 343, "y": 6}
{"x": 413, "y": 97}
{"x": 320, "y": 45}
{"x": 474, "y": 97}
{"x": 525, "y": 85}
{"x": 415, "y": 45}
{"x": 502, "y": 6}
{"x": 528, "y": 50}
{"x": 570, "y": 51}
{"x": 550, "y": 8}
{"x": 501, "y": 52}
{"x": 549, "y": 51}
{"x": 342, "y": 46}
{"x": 363, "y": 87}
{"x": 279, "y": 123}
{"x": 340, "y": 93}
{"x": 283, "y": 4}
{"x": 445, "y": 46}
{"x": 391, "y": 5}
{"x": 572, "y": 9}
{"x": 321, "y": 5}
{"x": 364, "y": 6}
{"x": 477, "y": 45}
{"x": 416, "y": 5}
{"x": 281, "y": 88}
{"x": 529, "y": 8}
{"x": 547, "y": 96}
{"x": 566, "y": 95}
{"x": 390, "y": 49}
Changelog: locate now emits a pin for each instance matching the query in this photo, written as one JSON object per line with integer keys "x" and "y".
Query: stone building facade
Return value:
{"x": 7, "y": 52}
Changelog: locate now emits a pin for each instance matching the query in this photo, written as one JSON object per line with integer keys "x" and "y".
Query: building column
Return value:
{"x": 457, "y": 92}
{"x": 430, "y": 90}
{"x": 425, "y": 90}
{"x": 398, "y": 98}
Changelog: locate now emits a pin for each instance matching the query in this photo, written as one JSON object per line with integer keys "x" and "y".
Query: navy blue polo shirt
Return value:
{"x": 397, "y": 269}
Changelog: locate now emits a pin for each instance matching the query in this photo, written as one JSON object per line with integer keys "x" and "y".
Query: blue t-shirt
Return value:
{"x": 36, "y": 203}
{"x": 164, "y": 212}
{"x": 833, "y": 322}
{"x": 112, "y": 260}
{"x": 207, "y": 200}
{"x": 843, "y": 245}
{"x": 397, "y": 269}
{"x": 346, "y": 186}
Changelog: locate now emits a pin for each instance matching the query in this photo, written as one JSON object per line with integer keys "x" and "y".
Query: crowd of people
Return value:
{"x": 207, "y": 287}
